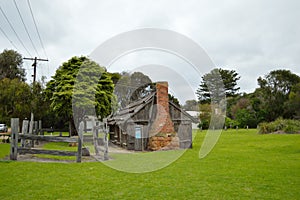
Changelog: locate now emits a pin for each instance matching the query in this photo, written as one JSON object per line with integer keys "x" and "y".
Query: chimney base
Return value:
{"x": 164, "y": 142}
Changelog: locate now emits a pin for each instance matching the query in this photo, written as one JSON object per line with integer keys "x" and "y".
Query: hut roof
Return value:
{"x": 131, "y": 109}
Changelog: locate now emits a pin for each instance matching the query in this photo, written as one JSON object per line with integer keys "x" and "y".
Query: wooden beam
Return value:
{"x": 48, "y": 138}
{"x": 22, "y": 150}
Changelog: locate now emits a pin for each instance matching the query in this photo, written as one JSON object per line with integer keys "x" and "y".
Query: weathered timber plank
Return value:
{"x": 24, "y": 131}
{"x": 49, "y": 152}
{"x": 48, "y": 138}
{"x": 80, "y": 140}
{"x": 14, "y": 138}
{"x": 31, "y": 144}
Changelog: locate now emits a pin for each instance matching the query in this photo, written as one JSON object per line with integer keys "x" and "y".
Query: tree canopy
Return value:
{"x": 274, "y": 91}
{"x": 191, "y": 105}
{"x": 15, "y": 99}
{"x": 216, "y": 84}
{"x": 293, "y": 103}
{"x": 94, "y": 90}
{"x": 11, "y": 65}
{"x": 131, "y": 87}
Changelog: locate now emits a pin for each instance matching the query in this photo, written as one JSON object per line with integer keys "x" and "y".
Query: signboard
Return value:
{"x": 138, "y": 132}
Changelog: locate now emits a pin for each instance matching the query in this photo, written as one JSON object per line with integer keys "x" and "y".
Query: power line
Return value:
{"x": 37, "y": 30}
{"x": 11, "y": 26}
{"x": 28, "y": 2}
{"x": 8, "y": 39}
{"x": 26, "y": 28}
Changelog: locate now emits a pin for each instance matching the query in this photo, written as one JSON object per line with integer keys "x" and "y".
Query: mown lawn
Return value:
{"x": 243, "y": 165}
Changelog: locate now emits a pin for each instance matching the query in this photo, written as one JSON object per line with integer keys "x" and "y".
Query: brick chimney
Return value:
{"x": 162, "y": 133}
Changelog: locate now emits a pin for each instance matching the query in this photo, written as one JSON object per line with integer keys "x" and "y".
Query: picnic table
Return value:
{"x": 4, "y": 137}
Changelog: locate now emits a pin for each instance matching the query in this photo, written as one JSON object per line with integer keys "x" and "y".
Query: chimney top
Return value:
{"x": 165, "y": 83}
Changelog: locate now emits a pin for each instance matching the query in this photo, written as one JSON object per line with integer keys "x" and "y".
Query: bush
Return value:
{"x": 280, "y": 125}
{"x": 230, "y": 123}
{"x": 246, "y": 118}
{"x": 292, "y": 126}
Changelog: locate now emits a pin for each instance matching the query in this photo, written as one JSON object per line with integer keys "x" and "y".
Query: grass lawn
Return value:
{"x": 243, "y": 165}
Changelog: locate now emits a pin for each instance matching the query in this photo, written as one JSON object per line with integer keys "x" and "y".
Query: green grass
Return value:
{"x": 243, "y": 165}
{"x": 4, "y": 150}
{"x": 63, "y": 146}
{"x": 56, "y": 133}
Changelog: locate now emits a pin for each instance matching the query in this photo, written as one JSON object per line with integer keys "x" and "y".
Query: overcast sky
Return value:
{"x": 252, "y": 37}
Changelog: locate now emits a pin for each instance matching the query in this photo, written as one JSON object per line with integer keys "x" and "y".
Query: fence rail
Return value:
{"x": 22, "y": 150}
{"x": 47, "y": 138}
{"x": 15, "y": 136}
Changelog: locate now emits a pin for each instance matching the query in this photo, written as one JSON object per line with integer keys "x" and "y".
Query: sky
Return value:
{"x": 252, "y": 37}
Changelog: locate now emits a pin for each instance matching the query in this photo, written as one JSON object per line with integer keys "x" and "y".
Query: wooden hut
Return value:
{"x": 152, "y": 123}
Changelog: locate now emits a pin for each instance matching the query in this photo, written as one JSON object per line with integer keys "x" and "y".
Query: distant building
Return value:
{"x": 195, "y": 114}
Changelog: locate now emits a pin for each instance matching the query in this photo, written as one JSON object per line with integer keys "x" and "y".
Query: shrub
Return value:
{"x": 292, "y": 126}
{"x": 280, "y": 125}
{"x": 230, "y": 123}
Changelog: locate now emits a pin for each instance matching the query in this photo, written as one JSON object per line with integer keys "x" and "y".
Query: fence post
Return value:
{"x": 14, "y": 138}
{"x": 24, "y": 131}
{"x": 31, "y": 129}
{"x": 106, "y": 141}
{"x": 40, "y": 128}
{"x": 36, "y": 131}
{"x": 95, "y": 137}
{"x": 80, "y": 140}
{"x": 106, "y": 146}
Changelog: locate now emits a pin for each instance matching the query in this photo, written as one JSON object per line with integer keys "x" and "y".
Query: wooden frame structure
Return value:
{"x": 15, "y": 136}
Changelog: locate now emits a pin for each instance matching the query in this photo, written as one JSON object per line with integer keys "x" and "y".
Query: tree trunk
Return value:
{"x": 72, "y": 127}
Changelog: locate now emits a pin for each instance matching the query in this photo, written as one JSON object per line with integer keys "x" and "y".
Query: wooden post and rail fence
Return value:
{"x": 32, "y": 136}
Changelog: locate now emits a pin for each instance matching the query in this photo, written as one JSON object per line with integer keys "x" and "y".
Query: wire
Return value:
{"x": 28, "y": 2}
{"x": 11, "y": 26}
{"x": 8, "y": 39}
{"x": 26, "y": 28}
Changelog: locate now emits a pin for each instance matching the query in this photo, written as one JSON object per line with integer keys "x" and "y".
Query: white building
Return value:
{"x": 194, "y": 114}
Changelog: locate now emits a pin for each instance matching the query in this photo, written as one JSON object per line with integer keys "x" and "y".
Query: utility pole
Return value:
{"x": 35, "y": 59}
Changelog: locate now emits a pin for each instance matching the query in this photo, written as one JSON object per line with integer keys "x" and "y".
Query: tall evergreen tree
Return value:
{"x": 93, "y": 90}
{"x": 216, "y": 84}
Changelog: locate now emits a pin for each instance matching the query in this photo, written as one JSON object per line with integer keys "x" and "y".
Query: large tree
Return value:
{"x": 191, "y": 105}
{"x": 11, "y": 65}
{"x": 216, "y": 84}
{"x": 274, "y": 91}
{"x": 15, "y": 99}
{"x": 243, "y": 112}
{"x": 131, "y": 87}
{"x": 293, "y": 104}
{"x": 85, "y": 85}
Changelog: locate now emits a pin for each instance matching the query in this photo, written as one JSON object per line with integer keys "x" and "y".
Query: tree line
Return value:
{"x": 82, "y": 87}
{"x": 278, "y": 96}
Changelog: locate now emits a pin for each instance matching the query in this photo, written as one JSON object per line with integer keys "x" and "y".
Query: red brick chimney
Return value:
{"x": 162, "y": 133}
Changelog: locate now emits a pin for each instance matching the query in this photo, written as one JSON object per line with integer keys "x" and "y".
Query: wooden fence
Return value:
{"x": 100, "y": 142}
{"x": 32, "y": 136}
